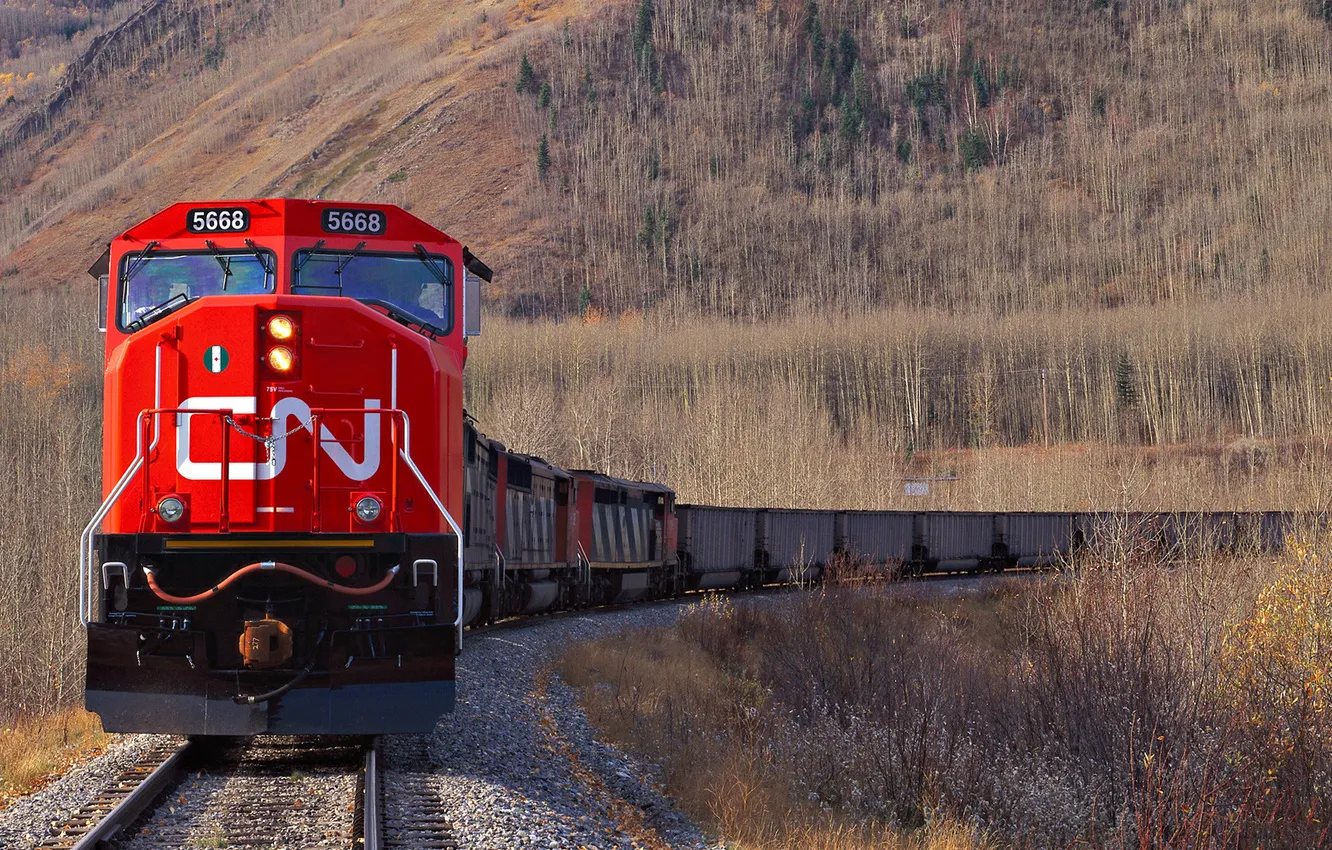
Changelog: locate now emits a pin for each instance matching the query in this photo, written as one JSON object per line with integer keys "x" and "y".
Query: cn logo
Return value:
{"x": 284, "y": 412}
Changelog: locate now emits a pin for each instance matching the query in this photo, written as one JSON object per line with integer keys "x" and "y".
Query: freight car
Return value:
{"x": 727, "y": 548}
{"x": 544, "y": 539}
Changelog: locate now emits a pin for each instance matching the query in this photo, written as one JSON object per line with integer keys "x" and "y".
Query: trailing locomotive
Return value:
{"x": 279, "y": 545}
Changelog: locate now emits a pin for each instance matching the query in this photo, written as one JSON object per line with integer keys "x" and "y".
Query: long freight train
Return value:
{"x": 299, "y": 519}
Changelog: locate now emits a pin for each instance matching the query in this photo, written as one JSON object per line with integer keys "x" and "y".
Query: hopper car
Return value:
{"x": 299, "y": 519}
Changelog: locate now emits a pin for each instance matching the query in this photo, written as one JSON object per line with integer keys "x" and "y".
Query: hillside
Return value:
{"x": 357, "y": 100}
{"x": 741, "y": 159}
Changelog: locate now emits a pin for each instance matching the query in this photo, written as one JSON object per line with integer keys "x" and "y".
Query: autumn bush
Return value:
{"x": 1121, "y": 705}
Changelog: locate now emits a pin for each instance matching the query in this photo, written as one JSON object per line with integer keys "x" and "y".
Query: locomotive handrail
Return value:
{"x": 86, "y": 554}
{"x": 406, "y": 453}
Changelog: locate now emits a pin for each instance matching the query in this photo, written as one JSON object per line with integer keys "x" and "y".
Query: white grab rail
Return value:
{"x": 406, "y": 453}
{"x": 86, "y": 554}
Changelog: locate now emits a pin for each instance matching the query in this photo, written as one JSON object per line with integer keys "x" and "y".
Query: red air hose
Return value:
{"x": 269, "y": 566}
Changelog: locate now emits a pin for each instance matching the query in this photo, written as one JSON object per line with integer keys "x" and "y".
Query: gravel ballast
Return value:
{"x": 515, "y": 766}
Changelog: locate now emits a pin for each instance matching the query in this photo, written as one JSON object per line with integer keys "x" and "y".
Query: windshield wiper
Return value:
{"x": 346, "y": 261}
{"x": 222, "y": 260}
{"x": 305, "y": 258}
{"x": 157, "y": 312}
{"x": 428, "y": 261}
{"x": 262, "y": 256}
{"x": 140, "y": 260}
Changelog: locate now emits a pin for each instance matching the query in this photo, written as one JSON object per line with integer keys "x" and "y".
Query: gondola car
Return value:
{"x": 278, "y": 545}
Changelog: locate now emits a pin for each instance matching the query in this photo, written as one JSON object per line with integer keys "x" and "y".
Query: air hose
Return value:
{"x": 264, "y": 566}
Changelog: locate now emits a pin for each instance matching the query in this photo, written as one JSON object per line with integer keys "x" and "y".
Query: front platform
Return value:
{"x": 144, "y": 682}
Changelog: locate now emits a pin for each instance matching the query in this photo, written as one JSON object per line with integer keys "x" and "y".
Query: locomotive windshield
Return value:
{"x": 414, "y": 288}
{"x": 153, "y": 285}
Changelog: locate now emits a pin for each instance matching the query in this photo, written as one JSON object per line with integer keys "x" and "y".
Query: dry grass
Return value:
{"x": 1116, "y": 707}
{"x": 33, "y": 750}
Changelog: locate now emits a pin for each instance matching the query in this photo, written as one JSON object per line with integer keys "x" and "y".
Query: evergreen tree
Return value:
{"x": 847, "y": 53}
{"x": 589, "y": 85}
{"x": 585, "y": 300}
{"x": 860, "y": 87}
{"x": 1126, "y": 389}
{"x": 852, "y": 118}
{"x": 648, "y": 234}
{"x": 641, "y": 35}
{"x": 814, "y": 32}
{"x": 982, "y": 86}
{"x": 543, "y": 96}
{"x": 526, "y": 76}
{"x": 543, "y": 157}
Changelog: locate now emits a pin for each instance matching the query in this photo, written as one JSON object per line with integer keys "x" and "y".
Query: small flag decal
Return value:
{"x": 215, "y": 359}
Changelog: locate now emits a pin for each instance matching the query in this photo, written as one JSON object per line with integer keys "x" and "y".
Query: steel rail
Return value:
{"x": 86, "y": 830}
{"x": 372, "y": 822}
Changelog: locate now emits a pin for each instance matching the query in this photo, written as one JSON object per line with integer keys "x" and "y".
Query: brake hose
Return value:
{"x": 261, "y": 566}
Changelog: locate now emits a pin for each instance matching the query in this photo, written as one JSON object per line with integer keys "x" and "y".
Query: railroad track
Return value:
{"x": 125, "y": 801}
{"x": 328, "y": 793}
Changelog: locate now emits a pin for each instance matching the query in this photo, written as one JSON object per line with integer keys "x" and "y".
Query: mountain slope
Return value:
{"x": 366, "y": 101}
{"x": 745, "y": 159}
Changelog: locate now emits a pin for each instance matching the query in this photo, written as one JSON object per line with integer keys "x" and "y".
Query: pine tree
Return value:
{"x": 641, "y": 35}
{"x": 526, "y": 76}
{"x": 648, "y": 234}
{"x": 860, "y": 86}
{"x": 982, "y": 85}
{"x": 1126, "y": 389}
{"x": 543, "y": 157}
{"x": 852, "y": 118}
{"x": 585, "y": 300}
{"x": 543, "y": 96}
{"x": 847, "y": 53}
{"x": 814, "y": 31}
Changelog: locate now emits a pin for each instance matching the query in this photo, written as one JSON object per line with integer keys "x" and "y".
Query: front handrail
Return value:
{"x": 87, "y": 554}
{"x": 406, "y": 453}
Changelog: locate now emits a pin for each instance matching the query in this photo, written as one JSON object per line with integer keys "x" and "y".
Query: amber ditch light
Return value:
{"x": 281, "y": 328}
{"x": 280, "y": 359}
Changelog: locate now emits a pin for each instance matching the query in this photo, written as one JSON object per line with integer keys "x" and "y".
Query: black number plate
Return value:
{"x": 218, "y": 220}
{"x": 358, "y": 222}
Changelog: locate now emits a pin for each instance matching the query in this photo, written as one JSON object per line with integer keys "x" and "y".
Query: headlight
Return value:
{"x": 280, "y": 359}
{"x": 170, "y": 509}
{"x": 281, "y": 328}
{"x": 368, "y": 508}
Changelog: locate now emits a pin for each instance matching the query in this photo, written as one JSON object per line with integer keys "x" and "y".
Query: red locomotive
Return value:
{"x": 279, "y": 545}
